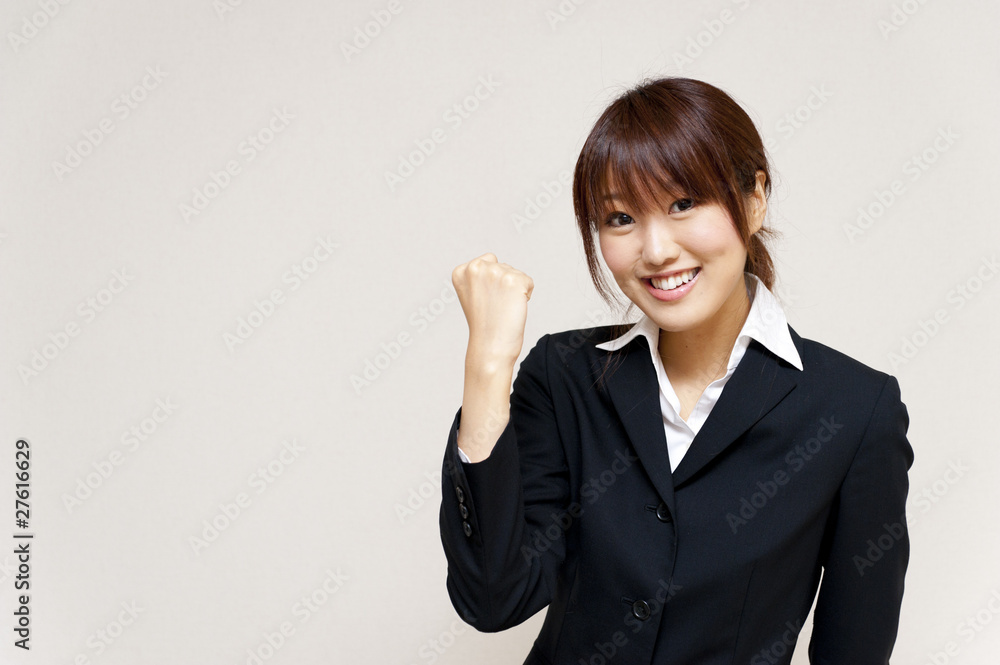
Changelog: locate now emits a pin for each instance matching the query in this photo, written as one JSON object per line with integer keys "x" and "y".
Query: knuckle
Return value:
{"x": 509, "y": 279}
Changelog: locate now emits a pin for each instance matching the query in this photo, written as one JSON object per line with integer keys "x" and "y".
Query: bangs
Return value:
{"x": 645, "y": 154}
{"x": 637, "y": 183}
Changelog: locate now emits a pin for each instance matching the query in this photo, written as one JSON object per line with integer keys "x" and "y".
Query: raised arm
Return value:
{"x": 494, "y": 509}
{"x": 494, "y": 297}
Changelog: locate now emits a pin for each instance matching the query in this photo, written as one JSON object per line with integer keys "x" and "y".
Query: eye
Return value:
{"x": 682, "y": 205}
{"x": 618, "y": 219}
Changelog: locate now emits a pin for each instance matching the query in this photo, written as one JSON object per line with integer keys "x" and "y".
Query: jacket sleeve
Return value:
{"x": 503, "y": 519}
{"x": 857, "y": 612}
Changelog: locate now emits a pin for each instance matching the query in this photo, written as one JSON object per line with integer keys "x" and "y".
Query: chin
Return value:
{"x": 678, "y": 326}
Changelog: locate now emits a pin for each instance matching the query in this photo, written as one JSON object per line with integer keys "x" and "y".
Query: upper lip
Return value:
{"x": 664, "y": 275}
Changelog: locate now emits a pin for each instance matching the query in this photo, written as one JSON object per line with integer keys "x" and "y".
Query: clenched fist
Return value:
{"x": 494, "y": 297}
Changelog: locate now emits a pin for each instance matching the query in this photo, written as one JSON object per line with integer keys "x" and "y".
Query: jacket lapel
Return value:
{"x": 635, "y": 392}
{"x": 760, "y": 381}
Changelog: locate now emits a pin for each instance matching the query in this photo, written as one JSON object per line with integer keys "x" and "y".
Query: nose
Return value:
{"x": 659, "y": 247}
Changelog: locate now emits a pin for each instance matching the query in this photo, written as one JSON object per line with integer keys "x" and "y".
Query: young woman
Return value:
{"x": 675, "y": 490}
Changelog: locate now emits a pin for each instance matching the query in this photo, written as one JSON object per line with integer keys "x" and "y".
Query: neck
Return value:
{"x": 702, "y": 354}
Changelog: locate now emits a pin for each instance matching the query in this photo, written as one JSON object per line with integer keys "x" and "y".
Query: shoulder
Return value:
{"x": 839, "y": 372}
{"x": 579, "y": 345}
{"x": 586, "y": 337}
{"x": 571, "y": 357}
{"x": 821, "y": 357}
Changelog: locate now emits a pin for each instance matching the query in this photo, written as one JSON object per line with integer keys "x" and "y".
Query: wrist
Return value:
{"x": 489, "y": 363}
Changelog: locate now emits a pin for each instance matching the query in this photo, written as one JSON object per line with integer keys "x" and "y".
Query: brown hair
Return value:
{"x": 675, "y": 137}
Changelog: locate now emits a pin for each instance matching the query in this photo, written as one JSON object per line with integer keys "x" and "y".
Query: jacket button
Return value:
{"x": 463, "y": 510}
{"x": 467, "y": 528}
{"x": 640, "y": 609}
{"x": 663, "y": 514}
{"x": 460, "y": 494}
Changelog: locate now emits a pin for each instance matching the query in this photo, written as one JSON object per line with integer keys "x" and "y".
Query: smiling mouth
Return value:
{"x": 674, "y": 281}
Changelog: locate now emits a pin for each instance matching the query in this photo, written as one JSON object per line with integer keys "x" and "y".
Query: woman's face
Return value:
{"x": 695, "y": 244}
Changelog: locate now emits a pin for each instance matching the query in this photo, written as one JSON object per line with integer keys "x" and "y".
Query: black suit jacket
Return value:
{"x": 795, "y": 473}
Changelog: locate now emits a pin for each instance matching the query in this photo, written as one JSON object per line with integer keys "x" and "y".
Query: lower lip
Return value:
{"x": 673, "y": 294}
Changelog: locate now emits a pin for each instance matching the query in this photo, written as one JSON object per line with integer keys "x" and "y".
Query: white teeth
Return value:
{"x": 674, "y": 281}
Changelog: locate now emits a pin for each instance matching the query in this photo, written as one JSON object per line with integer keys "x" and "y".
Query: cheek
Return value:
{"x": 716, "y": 240}
{"x": 614, "y": 253}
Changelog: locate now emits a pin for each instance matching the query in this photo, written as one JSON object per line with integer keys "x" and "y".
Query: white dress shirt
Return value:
{"x": 765, "y": 323}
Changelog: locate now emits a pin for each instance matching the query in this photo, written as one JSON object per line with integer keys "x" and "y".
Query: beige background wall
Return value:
{"x": 199, "y": 241}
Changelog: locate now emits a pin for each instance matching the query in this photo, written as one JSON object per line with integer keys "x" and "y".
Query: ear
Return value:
{"x": 757, "y": 205}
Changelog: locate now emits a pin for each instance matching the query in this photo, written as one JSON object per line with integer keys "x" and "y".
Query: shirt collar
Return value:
{"x": 765, "y": 323}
